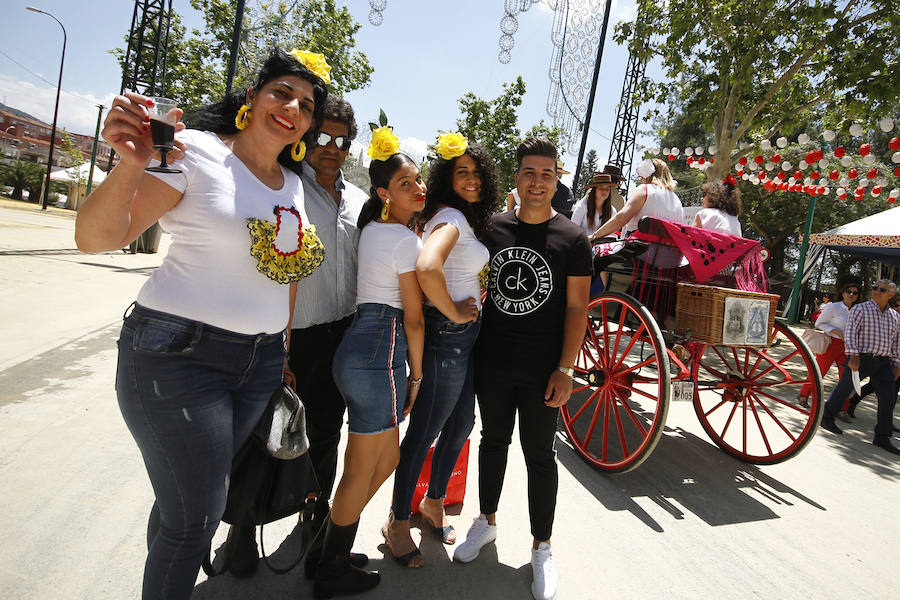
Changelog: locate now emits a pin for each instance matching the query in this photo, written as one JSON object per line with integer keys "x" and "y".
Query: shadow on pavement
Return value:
{"x": 686, "y": 473}
{"x": 855, "y": 446}
{"x": 440, "y": 579}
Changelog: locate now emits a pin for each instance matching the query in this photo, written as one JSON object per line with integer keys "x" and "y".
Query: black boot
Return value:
{"x": 851, "y": 407}
{"x": 314, "y": 554}
{"x": 241, "y": 553}
{"x": 335, "y": 574}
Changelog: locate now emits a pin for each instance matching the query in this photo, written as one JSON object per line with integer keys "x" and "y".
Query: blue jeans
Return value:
{"x": 369, "y": 369}
{"x": 445, "y": 405}
{"x": 190, "y": 394}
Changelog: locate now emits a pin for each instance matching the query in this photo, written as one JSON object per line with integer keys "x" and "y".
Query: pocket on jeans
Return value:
{"x": 161, "y": 337}
{"x": 450, "y": 328}
{"x": 363, "y": 346}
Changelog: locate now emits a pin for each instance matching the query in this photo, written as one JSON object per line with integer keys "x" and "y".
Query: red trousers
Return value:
{"x": 834, "y": 354}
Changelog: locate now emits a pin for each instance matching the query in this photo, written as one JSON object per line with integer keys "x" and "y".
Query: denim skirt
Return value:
{"x": 370, "y": 369}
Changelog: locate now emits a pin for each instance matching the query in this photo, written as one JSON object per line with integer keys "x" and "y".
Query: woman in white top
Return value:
{"x": 370, "y": 363}
{"x": 832, "y": 320}
{"x": 655, "y": 197}
{"x": 721, "y": 206}
{"x": 462, "y": 195}
{"x": 512, "y": 199}
{"x": 599, "y": 205}
{"x": 203, "y": 349}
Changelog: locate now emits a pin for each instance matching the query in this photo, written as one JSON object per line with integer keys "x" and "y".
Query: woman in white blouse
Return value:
{"x": 721, "y": 207}
{"x": 832, "y": 320}
{"x": 599, "y": 205}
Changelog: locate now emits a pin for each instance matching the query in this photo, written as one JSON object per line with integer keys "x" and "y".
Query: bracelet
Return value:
{"x": 414, "y": 381}
{"x": 570, "y": 371}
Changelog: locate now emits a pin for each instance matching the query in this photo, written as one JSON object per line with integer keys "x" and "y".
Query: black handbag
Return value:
{"x": 270, "y": 480}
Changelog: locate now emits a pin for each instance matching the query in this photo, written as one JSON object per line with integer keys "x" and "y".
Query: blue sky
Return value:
{"x": 425, "y": 54}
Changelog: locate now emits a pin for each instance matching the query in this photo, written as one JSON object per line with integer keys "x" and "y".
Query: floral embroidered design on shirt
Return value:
{"x": 279, "y": 256}
{"x": 483, "y": 276}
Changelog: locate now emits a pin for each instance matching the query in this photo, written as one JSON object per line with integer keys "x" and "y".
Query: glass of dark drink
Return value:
{"x": 162, "y": 129}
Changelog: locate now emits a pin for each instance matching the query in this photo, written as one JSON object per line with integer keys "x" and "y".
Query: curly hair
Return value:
{"x": 440, "y": 190}
{"x": 380, "y": 174}
{"x": 219, "y": 117}
{"x": 338, "y": 109}
{"x": 723, "y": 196}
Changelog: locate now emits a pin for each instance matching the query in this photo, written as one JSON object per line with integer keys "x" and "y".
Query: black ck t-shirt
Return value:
{"x": 524, "y": 313}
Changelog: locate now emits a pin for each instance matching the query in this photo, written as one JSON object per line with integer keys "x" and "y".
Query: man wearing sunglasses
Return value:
{"x": 872, "y": 342}
{"x": 326, "y": 301}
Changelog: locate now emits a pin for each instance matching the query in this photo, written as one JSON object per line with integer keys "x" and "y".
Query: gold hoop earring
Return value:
{"x": 386, "y": 210}
{"x": 298, "y": 150}
{"x": 242, "y": 118}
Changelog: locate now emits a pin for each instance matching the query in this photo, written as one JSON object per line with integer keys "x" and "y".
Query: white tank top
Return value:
{"x": 661, "y": 204}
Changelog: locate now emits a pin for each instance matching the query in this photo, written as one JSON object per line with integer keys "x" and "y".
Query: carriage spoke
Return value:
{"x": 762, "y": 431}
{"x": 622, "y": 441}
{"x": 774, "y": 418}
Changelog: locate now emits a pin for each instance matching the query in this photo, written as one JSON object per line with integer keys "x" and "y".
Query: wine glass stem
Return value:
{"x": 162, "y": 159}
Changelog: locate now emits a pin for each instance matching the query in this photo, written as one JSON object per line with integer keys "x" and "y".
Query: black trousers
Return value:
{"x": 499, "y": 399}
{"x": 311, "y": 355}
{"x": 880, "y": 371}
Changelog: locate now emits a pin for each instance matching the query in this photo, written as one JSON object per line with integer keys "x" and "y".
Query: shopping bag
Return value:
{"x": 456, "y": 487}
{"x": 816, "y": 339}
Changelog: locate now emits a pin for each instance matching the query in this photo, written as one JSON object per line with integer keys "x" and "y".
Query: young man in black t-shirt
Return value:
{"x": 534, "y": 322}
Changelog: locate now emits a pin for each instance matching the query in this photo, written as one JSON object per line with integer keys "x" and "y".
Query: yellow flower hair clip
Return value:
{"x": 383, "y": 144}
{"x": 451, "y": 145}
{"x": 314, "y": 62}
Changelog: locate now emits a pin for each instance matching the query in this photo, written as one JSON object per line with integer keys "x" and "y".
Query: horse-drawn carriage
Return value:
{"x": 657, "y": 326}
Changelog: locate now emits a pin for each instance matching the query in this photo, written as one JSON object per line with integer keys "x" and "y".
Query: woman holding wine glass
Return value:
{"x": 203, "y": 348}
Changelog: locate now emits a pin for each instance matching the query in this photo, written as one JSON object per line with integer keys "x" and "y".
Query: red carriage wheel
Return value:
{"x": 746, "y": 397}
{"x": 621, "y": 387}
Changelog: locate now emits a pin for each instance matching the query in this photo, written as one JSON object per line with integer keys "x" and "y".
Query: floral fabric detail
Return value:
{"x": 483, "y": 276}
{"x": 384, "y": 144}
{"x": 278, "y": 256}
{"x": 314, "y": 62}
{"x": 451, "y": 145}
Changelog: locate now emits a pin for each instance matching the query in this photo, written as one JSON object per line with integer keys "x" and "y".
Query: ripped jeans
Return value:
{"x": 190, "y": 394}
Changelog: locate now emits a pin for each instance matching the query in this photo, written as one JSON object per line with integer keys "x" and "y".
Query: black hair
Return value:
{"x": 338, "y": 109}
{"x": 440, "y": 190}
{"x": 219, "y": 117}
{"x": 380, "y": 174}
{"x": 846, "y": 287}
{"x": 535, "y": 147}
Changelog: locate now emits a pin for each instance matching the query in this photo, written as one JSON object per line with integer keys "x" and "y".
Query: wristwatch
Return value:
{"x": 567, "y": 370}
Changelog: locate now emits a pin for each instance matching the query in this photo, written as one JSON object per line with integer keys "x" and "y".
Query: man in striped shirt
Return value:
{"x": 872, "y": 342}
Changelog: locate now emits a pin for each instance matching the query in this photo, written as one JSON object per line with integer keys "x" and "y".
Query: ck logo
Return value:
{"x": 520, "y": 280}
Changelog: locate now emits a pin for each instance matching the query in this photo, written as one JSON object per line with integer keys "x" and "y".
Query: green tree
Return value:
{"x": 23, "y": 175}
{"x": 749, "y": 70}
{"x": 197, "y": 61}
{"x": 588, "y": 166}
{"x": 71, "y": 153}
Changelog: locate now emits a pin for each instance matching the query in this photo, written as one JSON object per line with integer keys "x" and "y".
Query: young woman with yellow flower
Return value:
{"x": 370, "y": 364}
{"x": 462, "y": 195}
{"x": 203, "y": 348}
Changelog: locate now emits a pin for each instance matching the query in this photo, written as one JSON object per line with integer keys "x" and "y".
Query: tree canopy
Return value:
{"x": 747, "y": 70}
{"x": 197, "y": 61}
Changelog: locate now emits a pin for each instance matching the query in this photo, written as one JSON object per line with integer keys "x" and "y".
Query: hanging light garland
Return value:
{"x": 376, "y": 17}
{"x": 775, "y": 173}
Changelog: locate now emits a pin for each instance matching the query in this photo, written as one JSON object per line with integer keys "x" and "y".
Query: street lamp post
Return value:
{"x": 55, "y": 110}
{"x": 94, "y": 149}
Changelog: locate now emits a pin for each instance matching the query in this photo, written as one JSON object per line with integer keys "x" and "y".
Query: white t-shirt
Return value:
{"x": 719, "y": 220}
{"x": 466, "y": 259}
{"x": 580, "y": 218}
{"x": 833, "y": 318}
{"x": 516, "y": 199}
{"x": 209, "y": 274}
{"x": 661, "y": 204}
{"x": 386, "y": 250}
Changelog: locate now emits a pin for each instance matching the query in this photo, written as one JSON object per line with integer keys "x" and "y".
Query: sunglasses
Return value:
{"x": 341, "y": 141}
{"x": 878, "y": 288}
{"x": 852, "y": 292}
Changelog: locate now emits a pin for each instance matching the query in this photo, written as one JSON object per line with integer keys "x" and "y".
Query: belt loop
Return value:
{"x": 131, "y": 308}
{"x": 198, "y": 333}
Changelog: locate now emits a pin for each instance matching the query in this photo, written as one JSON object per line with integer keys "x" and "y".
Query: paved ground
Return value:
{"x": 689, "y": 523}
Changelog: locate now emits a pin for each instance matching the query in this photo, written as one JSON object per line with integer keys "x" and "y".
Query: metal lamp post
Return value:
{"x": 55, "y": 110}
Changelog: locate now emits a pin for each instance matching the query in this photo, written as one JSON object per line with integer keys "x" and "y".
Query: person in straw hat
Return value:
{"x": 602, "y": 201}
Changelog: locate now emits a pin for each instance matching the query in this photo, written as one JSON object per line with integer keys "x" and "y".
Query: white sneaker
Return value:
{"x": 480, "y": 534}
{"x": 543, "y": 587}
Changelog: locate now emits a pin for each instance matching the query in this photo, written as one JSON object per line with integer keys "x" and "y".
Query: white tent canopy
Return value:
{"x": 876, "y": 236}
{"x": 73, "y": 174}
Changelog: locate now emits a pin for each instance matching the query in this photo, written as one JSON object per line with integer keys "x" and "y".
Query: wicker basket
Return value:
{"x": 700, "y": 312}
